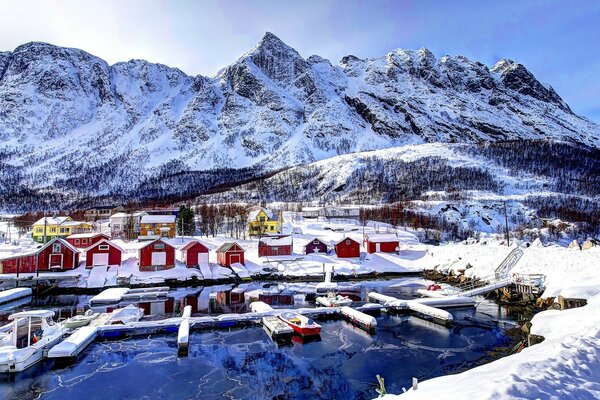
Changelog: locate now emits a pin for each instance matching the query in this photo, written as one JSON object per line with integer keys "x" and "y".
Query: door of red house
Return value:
{"x": 56, "y": 261}
{"x": 234, "y": 258}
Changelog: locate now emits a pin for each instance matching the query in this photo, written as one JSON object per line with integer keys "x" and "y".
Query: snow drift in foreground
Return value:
{"x": 564, "y": 366}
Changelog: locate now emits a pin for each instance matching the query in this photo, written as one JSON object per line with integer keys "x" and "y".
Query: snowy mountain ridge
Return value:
{"x": 71, "y": 122}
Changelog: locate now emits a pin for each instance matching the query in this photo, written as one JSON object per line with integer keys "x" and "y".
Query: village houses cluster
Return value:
{"x": 63, "y": 240}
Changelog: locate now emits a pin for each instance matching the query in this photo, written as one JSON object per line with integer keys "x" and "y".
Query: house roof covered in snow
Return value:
{"x": 346, "y": 238}
{"x": 125, "y": 215}
{"x": 74, "y": 223}
{"x": 383, "y": 238}
{"x": 158, "y": 219}
{"x": 104, "y": 241}
{"x": 276, "y": 241}
{"x": 86, "y": 235}
{"x": 191, "y": 244}
{"x": 52, "y": 220}
{"x": 272, "y": 215}
{"x": 61, "y": 241}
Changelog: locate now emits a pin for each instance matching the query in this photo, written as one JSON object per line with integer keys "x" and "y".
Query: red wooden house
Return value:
{"x": 85, "y": 240}
{"x": 194, "y": 254}
{"x": 275, "y": 246}
{"x": 57, "y": 255}
{"x": 156, "y": 256}
{"x": 382, "y": 243}
{"x": 17, "y": 263}
{"x": 230, "y": 253}
{"x": 103, "y": 253}
{"x": 316, "y": 246}
{"x": 347, "y": 248}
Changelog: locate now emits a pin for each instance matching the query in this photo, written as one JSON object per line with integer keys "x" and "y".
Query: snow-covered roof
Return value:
{"x": 313, "y": 239}
{"x": 346, "y": 238}
{"x": 125, "y": 215}
{"x": 85, "y": 235}
{"x": 61, "y": 241}
{"x": 104, "y": 241}
{"x": 312, "y": 208}
{"x": 154, "y": 241}
{"x": 227, "y": 246}
{"x": 74, "y": 223}
{"x": 32, "y": 313}
{"x": 276, "y": 241}
{"x": 52, "y": 220}
{"x": 271, "y": 214}
{"x": 383, "y": 238}
{"x": 192, "y": 243}
{"x": 158, "y": 219}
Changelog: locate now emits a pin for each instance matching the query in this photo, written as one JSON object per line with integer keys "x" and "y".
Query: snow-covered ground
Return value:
{"x": 573, "y": 273}
{"x": 566, "y": 365}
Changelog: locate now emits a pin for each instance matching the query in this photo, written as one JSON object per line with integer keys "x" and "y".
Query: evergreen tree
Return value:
{"x": 186, "y": 225}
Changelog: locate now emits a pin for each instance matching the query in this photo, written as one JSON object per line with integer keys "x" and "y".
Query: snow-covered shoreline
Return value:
{"x": 566, "y": 364}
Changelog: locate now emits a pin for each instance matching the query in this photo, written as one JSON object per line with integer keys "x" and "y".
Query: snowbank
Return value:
{"x": 566, "y": 365}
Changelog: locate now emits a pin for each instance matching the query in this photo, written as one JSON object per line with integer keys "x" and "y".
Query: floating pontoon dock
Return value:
{"x": 74, "y": 344}
{"x": 116, "y": 295}
{"x": 6, "y": 296}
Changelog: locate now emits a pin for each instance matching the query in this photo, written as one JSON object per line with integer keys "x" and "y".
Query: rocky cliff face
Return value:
{"x": 66, "y": 115}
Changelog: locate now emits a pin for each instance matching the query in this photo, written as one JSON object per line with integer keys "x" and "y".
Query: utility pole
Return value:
{"x": 506, "y": 226}
{"x": 45, "y": 222}
{"x": 181, "y": 219}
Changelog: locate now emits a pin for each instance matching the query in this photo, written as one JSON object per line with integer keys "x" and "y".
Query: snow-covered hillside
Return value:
{"x": 73, "y": 123}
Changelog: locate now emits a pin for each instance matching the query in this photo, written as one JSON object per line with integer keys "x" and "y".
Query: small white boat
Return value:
{"x": 80, "y": 320}
{"x": 125, "y": 315}
{"x": 24, "y": 343}
{"x": 276, "y": 326}
{"x": 333, "y": 300}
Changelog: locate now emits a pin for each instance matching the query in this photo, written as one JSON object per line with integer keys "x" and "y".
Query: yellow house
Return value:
{"x": 265, "y": 222}
{"x": 58, "y": 227}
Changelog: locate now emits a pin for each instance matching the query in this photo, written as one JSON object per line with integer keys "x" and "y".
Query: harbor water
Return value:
{"x": 244, "y": 363}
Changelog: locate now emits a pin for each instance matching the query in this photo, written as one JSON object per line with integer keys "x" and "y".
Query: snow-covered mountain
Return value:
{"x": 73, "y": 124}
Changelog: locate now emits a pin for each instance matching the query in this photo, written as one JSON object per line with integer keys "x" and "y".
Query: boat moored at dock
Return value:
{"x": 24, "y": 344}
{"x": 300, "y": 324}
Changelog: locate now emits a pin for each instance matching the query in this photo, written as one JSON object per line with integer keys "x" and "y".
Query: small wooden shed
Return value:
{"x": 194, "y": 254}
{"x": 57, "y": 255}
{"x": 382, "y": 243}
{"x": 347, "y": 248}
{"x": 103, "y": 253}
{"x": 156, "y": 256}
{"x": 230, "y": 253}
{"x": 316, "y": 246}
{"x": 275, "y": 246}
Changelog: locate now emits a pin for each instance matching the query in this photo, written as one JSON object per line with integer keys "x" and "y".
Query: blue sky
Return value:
{"x": 559, "y": 41}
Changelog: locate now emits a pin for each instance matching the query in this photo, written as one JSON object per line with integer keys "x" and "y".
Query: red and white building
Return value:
{"x": 382, "y": 243}
{"x": 103, "y": 253}
{"x": 57, "y": 255}
{"x": 194, "y": 254}
{"x": 275, "y": 246}
{"x": 156, "y": 256}
{"x": 85, "y": 240}
{"x": 347, "y": 248}
{"x": 230, "y": 253}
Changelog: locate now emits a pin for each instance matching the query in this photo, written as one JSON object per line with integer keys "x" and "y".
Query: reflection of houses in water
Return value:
{"x": 276, "y": 296}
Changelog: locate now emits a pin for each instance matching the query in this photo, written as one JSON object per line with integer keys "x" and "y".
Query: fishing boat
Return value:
{"x": 80, "y": 320}
{"x": 300, "y": 324}
{"x": 24, "y": 343}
